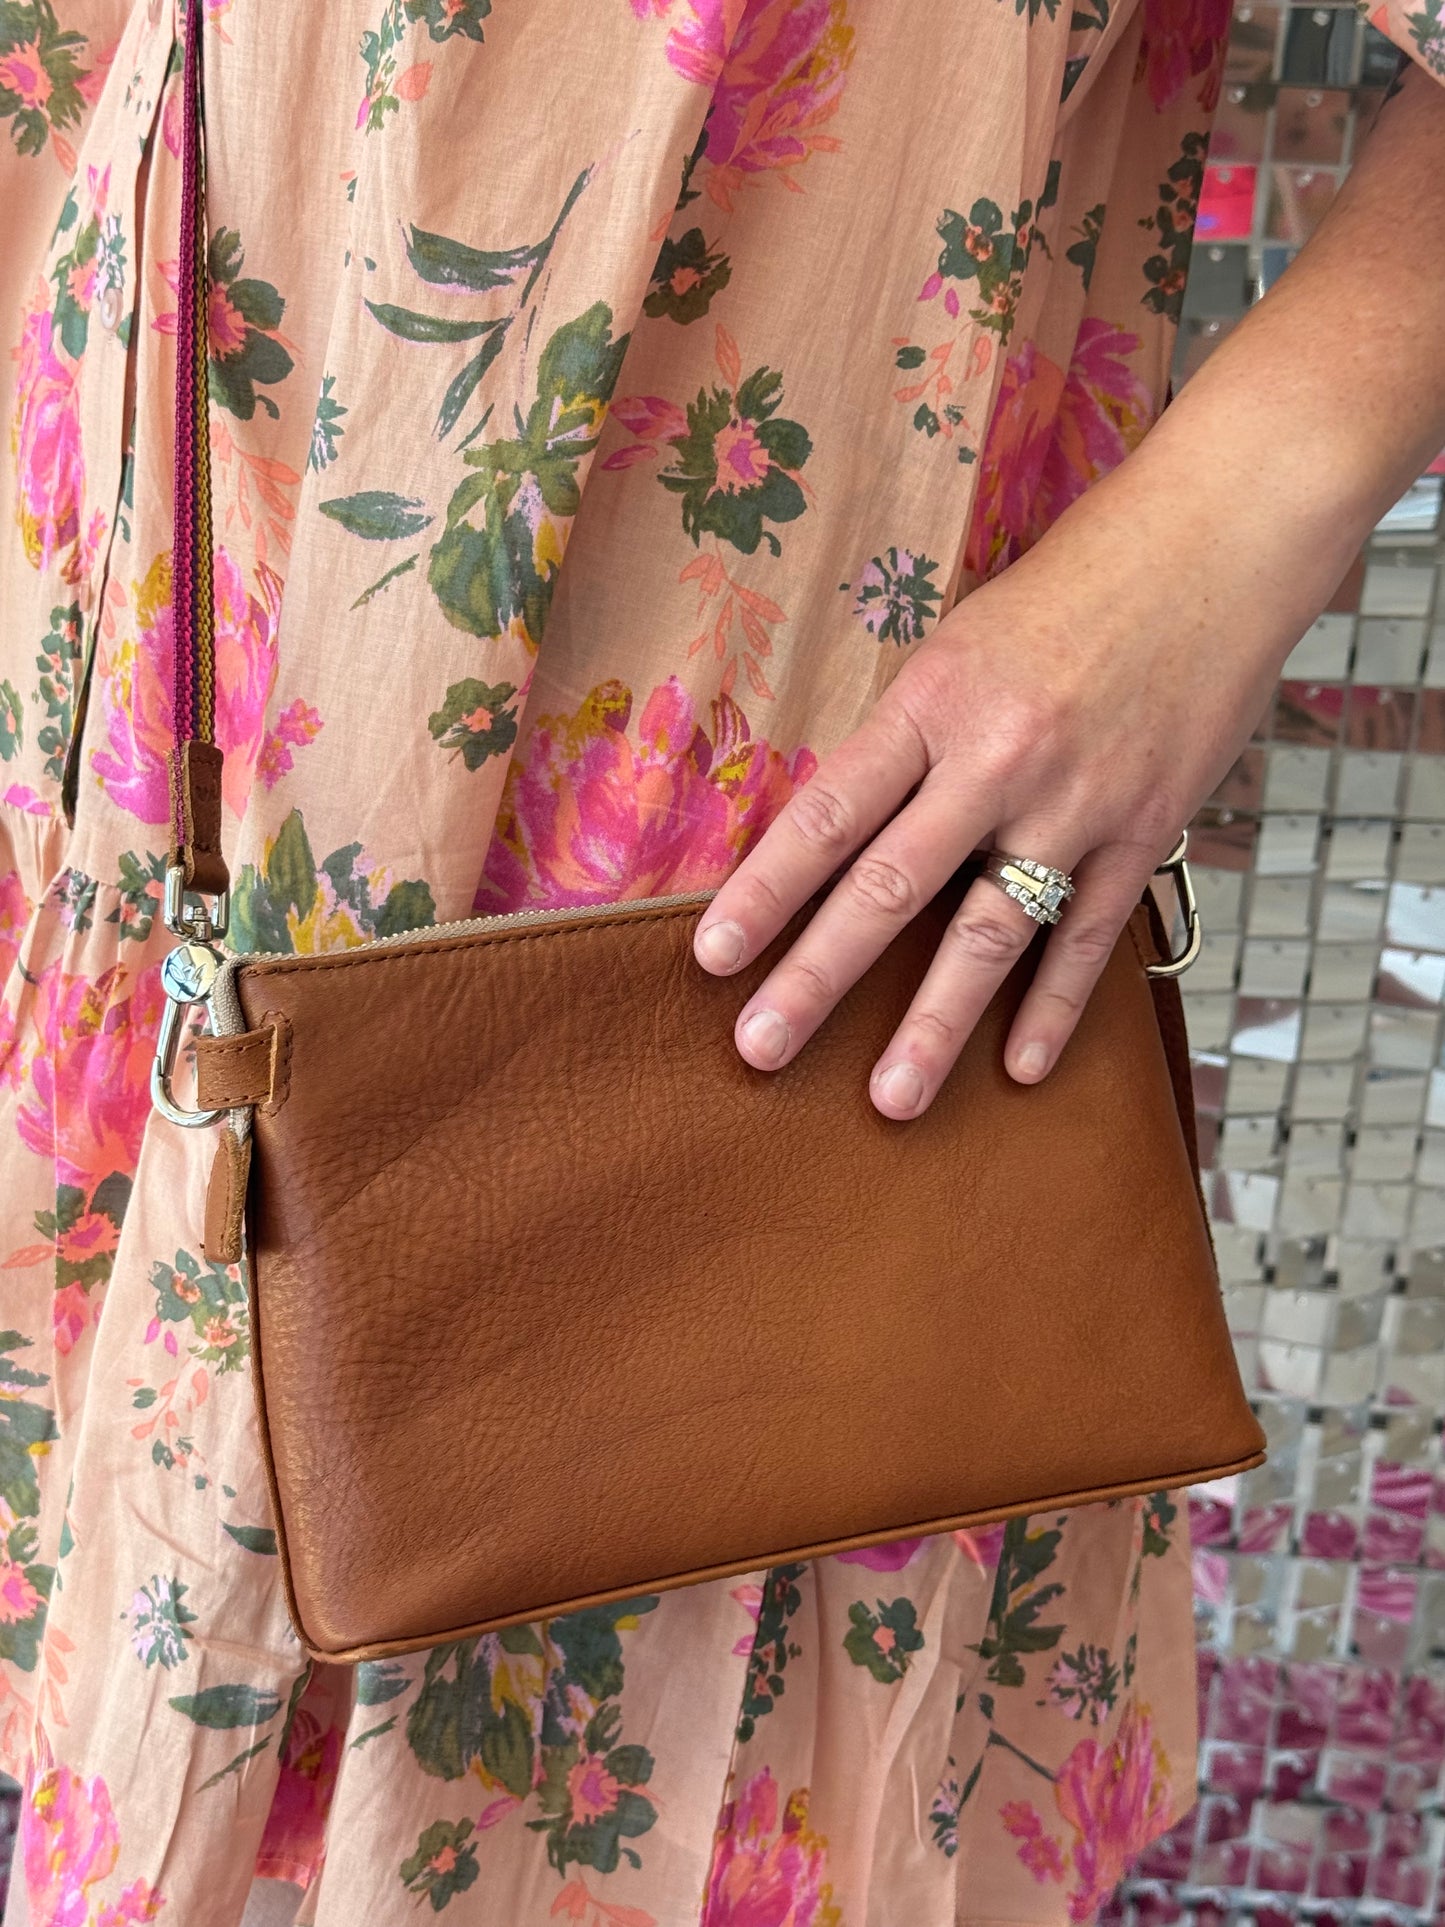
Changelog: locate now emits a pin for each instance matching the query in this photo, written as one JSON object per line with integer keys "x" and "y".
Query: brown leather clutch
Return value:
{"x": 557, "y": 1301}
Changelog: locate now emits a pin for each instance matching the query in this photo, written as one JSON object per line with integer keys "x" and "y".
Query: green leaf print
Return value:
{"x": 736, "y": 465}
{"x": 1026, "y": 1554}
{"x": 28, "y": 1587}
{"x": 224, "y": 1707}
{"x": 59, "y": 653}
{"x": 772, "y": 1647}
{"x": 1084, "y": 252}
{"x": 326, "y": 429}
{"x": 453, "y": 1722}
{"x": 590, "y": 1800}
{"x": 292, "y": 903}
{"x": 380, "y": 1680}
{"x": 1427, "y": 30}
{"x": 158, "y": 1621}
{"x": 506, "y": 524}
{"x": 253, "y": 1538}
{"x": 443, "y": 18}
{"x": 141, "y": 887}
{"x": 444, "y": 1864}
{"x": 1160, "y": 1513}
{"x": 884, "y": 1641}
{"x": 12, "y": 722}
{"x": 1173, "y": 222}
{"x": 376, "y": 515}
{"x": 212, "y": 1300}
{"x": 85, "y": 1231}
{"x": 464, "y": 385}
{"x": 687, "y": 276}
{"x": 244, "y": 315}
{"x": 446, "y": 263}
{"x": 474, "y": 720}
{"x": 409, "y": 325}
{"x": 25, "y": 1428}
{"x": 537, "y": 1711}
{"x": 41, "y": 72}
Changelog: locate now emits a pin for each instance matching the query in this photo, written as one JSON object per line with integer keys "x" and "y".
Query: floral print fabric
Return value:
{"x": 604, "y": 401}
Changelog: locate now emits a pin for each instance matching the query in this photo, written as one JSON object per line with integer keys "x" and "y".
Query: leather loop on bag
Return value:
{"x": 194, "y": 771}
{"x": 236, "y": 1072}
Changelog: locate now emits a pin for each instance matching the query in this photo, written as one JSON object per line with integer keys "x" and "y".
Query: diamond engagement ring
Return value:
{"x": 1038, "y": 889}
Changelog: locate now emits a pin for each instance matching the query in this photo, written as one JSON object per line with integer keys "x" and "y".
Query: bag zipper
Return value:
{"x": 228, "y": 1020}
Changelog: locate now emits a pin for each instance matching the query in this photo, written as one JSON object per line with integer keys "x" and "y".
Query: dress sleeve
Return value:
{"x": 1416, "y": 26}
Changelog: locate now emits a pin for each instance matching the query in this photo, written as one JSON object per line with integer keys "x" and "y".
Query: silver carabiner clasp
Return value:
{"x": 1174, "y": 865}
{"x": 187, "y": 977}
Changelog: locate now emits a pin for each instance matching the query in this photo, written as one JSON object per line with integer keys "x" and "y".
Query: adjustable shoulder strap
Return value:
{"x": 194, "y": 761}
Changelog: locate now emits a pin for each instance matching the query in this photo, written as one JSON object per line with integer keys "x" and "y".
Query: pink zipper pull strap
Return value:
{"x": 195, "y": 761}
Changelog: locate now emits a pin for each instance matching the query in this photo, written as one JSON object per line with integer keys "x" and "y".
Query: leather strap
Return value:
{"x": 194, "y": 761}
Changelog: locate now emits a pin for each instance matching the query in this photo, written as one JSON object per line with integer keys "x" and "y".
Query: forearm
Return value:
{"x": 1328, "y": 399}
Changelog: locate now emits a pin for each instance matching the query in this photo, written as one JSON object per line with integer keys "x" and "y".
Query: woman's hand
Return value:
{"x": 1068, "y": 711}
{"x": 1079, "y": 708}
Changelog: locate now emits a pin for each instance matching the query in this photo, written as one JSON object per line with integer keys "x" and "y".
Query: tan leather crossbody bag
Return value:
{"x": 555, "y": 1300}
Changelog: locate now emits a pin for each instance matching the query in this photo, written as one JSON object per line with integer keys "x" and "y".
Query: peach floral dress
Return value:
{"x": 605, "y": 399}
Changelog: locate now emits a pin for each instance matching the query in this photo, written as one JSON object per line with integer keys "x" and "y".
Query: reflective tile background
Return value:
{"x": 1315, "y": 1015}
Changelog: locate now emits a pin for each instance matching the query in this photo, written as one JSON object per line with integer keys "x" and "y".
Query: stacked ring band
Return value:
{"x": 1038, "y": 889}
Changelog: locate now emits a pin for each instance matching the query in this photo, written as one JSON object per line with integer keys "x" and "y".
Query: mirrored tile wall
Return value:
{"x": 1315, "y": 1019}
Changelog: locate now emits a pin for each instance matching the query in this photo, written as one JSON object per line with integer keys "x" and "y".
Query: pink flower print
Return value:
{"x": 1040, "y": 1852}
{"x": 741, "y": 458}
{"x": 750, "y": 1598}
{"x": 69, "y": 1843}
{"x": 589, "y": 816}
{"x": 1114, "y": 1795}
{"x": 23, "y": 72}
{"x": 18, "y": 1598}
{"x": 69, "y": 1316}
{"x": 296, "y": 726}
{"x": 783, "y": 78}
{"x": 592, "y": 1789}
{"x": 226, "y": 324}
{"x": 89, "y": 1092}
{"x": 134, "y": 686}
{"x": 652, "y": 421}
{"x": 891, "y": 1557}
{"x": 294, "y": 1842}
{"x": 14, "y": 914}
{"x": 768, "y": 1872}
{"x": 1181, "y": 42}
{"x": 982, "y": 1546}
{"x": 1051, "y": 436}
{"x": 45, "y": 438}
{"x": 91, "y": 1236}
{"x": 1020, "y": 430}
{"x": 140, "y": 1902}
{"x": 697, "y": 44}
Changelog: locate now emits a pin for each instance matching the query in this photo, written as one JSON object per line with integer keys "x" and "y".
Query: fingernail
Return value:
{"x": 766, "y": 1036}
{"x": 902, "y": 1085}
{"x": 1033, "y": 1060}
{"x": 720, "y": 945}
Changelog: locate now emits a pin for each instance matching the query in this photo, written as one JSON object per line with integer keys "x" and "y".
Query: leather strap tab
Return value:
{"x": 236, "y": 1072}
{"x": 226, "y": 1199}
{"x": 195, "y": 776}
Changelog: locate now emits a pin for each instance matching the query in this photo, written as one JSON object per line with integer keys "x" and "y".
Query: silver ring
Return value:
{"x": 1038, "y": 889}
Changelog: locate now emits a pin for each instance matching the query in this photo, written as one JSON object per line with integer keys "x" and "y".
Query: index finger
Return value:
{"x": 853, "y": 792}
